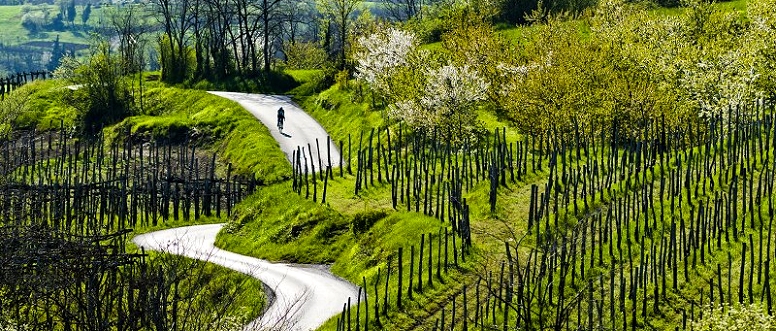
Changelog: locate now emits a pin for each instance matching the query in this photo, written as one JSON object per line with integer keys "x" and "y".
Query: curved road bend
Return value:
{"x": 305, "y": 296}
{"x": 299, "y": 129}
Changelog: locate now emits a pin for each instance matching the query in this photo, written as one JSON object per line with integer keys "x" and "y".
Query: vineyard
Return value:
{"x": 67, "y": 207}
{"x": 12, "y": 82}
{"x": 619, "y": 233}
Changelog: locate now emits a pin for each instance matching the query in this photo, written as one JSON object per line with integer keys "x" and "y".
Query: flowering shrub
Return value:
{"x": 735, "y": 318}
{"x": 380, "y": 54}
{"x": 448, "y": 102}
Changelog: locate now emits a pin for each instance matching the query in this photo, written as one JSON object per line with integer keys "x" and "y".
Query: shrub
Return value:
{"x": 364, "y": 221}
{"x": 302, "y": 55}
{"x": 104, "y": 94}
{"x": 343, "y": 80}
{"x": 735, "y": 318}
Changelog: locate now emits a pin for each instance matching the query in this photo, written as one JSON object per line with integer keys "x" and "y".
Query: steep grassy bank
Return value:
{"x": 178, "y": 115}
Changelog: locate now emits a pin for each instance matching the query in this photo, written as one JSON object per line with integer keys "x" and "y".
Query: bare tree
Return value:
{"x": 339, "y": 13}
{"x": 299, "y": 20}
{"x": 402, "y": 10}
{"x": 272, "y": 22}
{"x": 130, "y": 25}
{"x": 177, "y": 19}
{"x": 220, "y": 36}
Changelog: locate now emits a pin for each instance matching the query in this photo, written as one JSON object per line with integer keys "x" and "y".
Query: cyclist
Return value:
{"x": 281, "y": 118}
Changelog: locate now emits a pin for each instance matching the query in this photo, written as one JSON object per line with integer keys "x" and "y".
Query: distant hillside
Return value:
{"x": 29, "y": 31}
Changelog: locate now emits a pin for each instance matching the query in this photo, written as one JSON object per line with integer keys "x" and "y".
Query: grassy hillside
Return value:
{"x": 587, "y": 229}
{"x": 14, "y": 33}
{"x": 359, "y": 233}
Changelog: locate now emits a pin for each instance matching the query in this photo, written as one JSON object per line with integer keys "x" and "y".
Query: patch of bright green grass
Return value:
{"x": 738, "y": 6}
{"x": 277, "y": 224}
{"x": 40, "y": 104}
{"x": 342, "y": 112}
{"x": 302, "y": 76}
{"x": 14, "y": 33}
{"x": 310, "y": 82}
{"x": 236, "y": 135}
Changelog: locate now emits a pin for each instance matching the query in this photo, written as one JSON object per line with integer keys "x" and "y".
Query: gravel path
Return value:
{"x": 299, "y": 129}
{"x": 304, "y": 296}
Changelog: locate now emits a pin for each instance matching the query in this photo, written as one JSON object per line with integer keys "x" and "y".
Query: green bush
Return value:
{"x": 735, "y": 318}
{"x": 301, "y": 55}
{"x": 105, "y": 95}
{"x": 364, "y": 221}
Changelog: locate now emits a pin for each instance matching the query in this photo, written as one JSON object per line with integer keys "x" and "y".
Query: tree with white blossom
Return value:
{"x": 379, "y": 56}
{"x": 448, "y": 103}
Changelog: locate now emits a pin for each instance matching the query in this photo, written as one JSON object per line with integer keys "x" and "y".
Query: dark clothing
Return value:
{"x": 281, "y": 118}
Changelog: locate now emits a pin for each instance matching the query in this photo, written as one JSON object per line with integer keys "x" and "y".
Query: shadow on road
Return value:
{"x": 286, "y": 134}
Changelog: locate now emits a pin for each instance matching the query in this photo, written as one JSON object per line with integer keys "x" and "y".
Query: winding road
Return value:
{"x": 302, "y": 297}
{"x": 299, "y": 129}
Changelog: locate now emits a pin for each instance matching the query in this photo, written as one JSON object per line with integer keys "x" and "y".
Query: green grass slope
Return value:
{"x": 358, "y": 233}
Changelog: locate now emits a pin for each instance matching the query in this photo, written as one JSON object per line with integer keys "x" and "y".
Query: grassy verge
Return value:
{"x": 176, "y": 115}
{"x": 342, "y": 112}
{"x": 39, "y": 105}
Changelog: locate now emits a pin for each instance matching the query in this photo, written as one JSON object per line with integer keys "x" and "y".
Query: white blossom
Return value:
{"x": 381, "y": 53}
{"x": 412, "y": 114}
{"x": 448, "y": 100}
{"x": 720, "y": 84}
{"x": 751, "y": 317}
{"x": 450, "y": 89}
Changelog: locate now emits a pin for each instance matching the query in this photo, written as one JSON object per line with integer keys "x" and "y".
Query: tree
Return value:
{"x": 33, "y": 21}
{"x": 130, "y": 27}
{"x": 380, "y": 54}
{"x": 57, "y": 52}
{"x": 86, "y": 13}
{"x": 402, "y": 10}
{"x": 106, "y": 96}
{"x": 271, "y": 21}
{"x": 305, "y": 55}
{"x": 177, "y": 21}
{"x": 447, "y": 103}
{"x": 339, "y": 13}
{"x": 70, "y": 11}
{"x": 299, "y": 20}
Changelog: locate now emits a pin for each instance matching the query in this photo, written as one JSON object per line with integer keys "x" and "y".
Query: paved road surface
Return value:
{"x": 299, "y": 129}
{"x": 304, "y": 296}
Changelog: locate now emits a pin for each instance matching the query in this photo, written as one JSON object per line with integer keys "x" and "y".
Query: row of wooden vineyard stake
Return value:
{"x": 449, "y": 251}
{"x": 723, "y": 189}
{"x": 14, "y": 81}
{"x": 655, "y": 254}
{"x": 79, "y": 183}
{"x": 726, "y": 167}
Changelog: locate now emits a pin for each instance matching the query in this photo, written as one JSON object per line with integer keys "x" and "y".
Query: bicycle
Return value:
{"x": 280, "y": 124}
{"x": 281, "y": 118}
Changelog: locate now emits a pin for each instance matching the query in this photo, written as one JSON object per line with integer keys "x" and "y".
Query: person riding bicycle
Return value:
{"x": 281, "y": 118}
